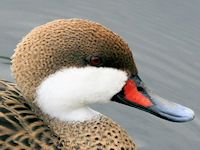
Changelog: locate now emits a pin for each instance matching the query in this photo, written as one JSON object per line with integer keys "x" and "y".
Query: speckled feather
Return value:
{"x": 66, "y": 43}
{"x": 101, "y": 133}
{"x": 63, "y": 43}
{"x": 20, "y": 127}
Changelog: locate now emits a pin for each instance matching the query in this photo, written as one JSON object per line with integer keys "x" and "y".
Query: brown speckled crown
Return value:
{"x": 65, "y": 43}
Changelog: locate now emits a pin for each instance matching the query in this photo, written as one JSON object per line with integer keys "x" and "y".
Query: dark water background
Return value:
{"x": 165, "y": 39}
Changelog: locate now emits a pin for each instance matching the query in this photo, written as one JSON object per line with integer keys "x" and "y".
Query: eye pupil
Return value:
{"x": 95, "y": 60}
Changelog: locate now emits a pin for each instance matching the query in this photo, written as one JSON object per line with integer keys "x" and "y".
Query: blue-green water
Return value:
{"x": 165, "y": 39}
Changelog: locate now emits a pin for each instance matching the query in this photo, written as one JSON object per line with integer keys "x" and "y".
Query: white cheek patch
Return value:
{"x": 73, "y": 88}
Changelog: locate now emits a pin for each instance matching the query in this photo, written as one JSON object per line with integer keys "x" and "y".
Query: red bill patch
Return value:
{"x": 132, "y": 94}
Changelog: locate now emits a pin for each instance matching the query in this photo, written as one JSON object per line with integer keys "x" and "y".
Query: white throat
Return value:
{"x": 79, "y": 115}
{"x": 67, "y": 93}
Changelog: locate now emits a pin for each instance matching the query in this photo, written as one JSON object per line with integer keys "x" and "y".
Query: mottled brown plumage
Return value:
{"x": 20, "y": 127}
{"x": 23, "y": 128}
{"x": 65, "y": 43}
{"x": 100, "y": 133}
{"x": 46, "y": 49}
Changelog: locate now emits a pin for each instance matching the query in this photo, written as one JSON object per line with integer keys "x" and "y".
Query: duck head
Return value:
{"x": 66, "y": 65}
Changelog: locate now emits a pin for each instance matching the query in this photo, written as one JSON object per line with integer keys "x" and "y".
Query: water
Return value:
{"x": 165, "y": 39}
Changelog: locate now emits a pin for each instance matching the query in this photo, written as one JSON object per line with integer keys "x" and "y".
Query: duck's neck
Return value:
{"x": 73, "y": 115}
{"x": 95, "y": 128}
{"x": 78, "y": 115}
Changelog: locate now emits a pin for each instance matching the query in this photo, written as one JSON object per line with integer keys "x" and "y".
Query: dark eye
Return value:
{"x": 95, "y": 61}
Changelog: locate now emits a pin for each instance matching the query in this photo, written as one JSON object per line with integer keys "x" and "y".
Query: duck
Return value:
{"x": 60, "y": 69}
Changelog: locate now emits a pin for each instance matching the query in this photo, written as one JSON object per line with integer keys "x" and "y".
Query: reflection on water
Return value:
{"x": 165, "y": 38}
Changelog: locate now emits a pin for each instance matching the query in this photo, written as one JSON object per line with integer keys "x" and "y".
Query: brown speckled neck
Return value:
{"x": 100, "y": 133}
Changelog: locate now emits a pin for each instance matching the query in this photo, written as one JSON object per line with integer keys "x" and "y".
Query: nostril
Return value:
{"x": 141, "y": 89}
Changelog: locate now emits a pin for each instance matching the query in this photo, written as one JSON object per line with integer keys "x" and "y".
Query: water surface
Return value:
{"x": 165, "y": 39}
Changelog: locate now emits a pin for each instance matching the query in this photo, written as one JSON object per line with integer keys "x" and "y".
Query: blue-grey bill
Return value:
{"x": 136, "y": 94}
{"x": 170, "y": 110}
